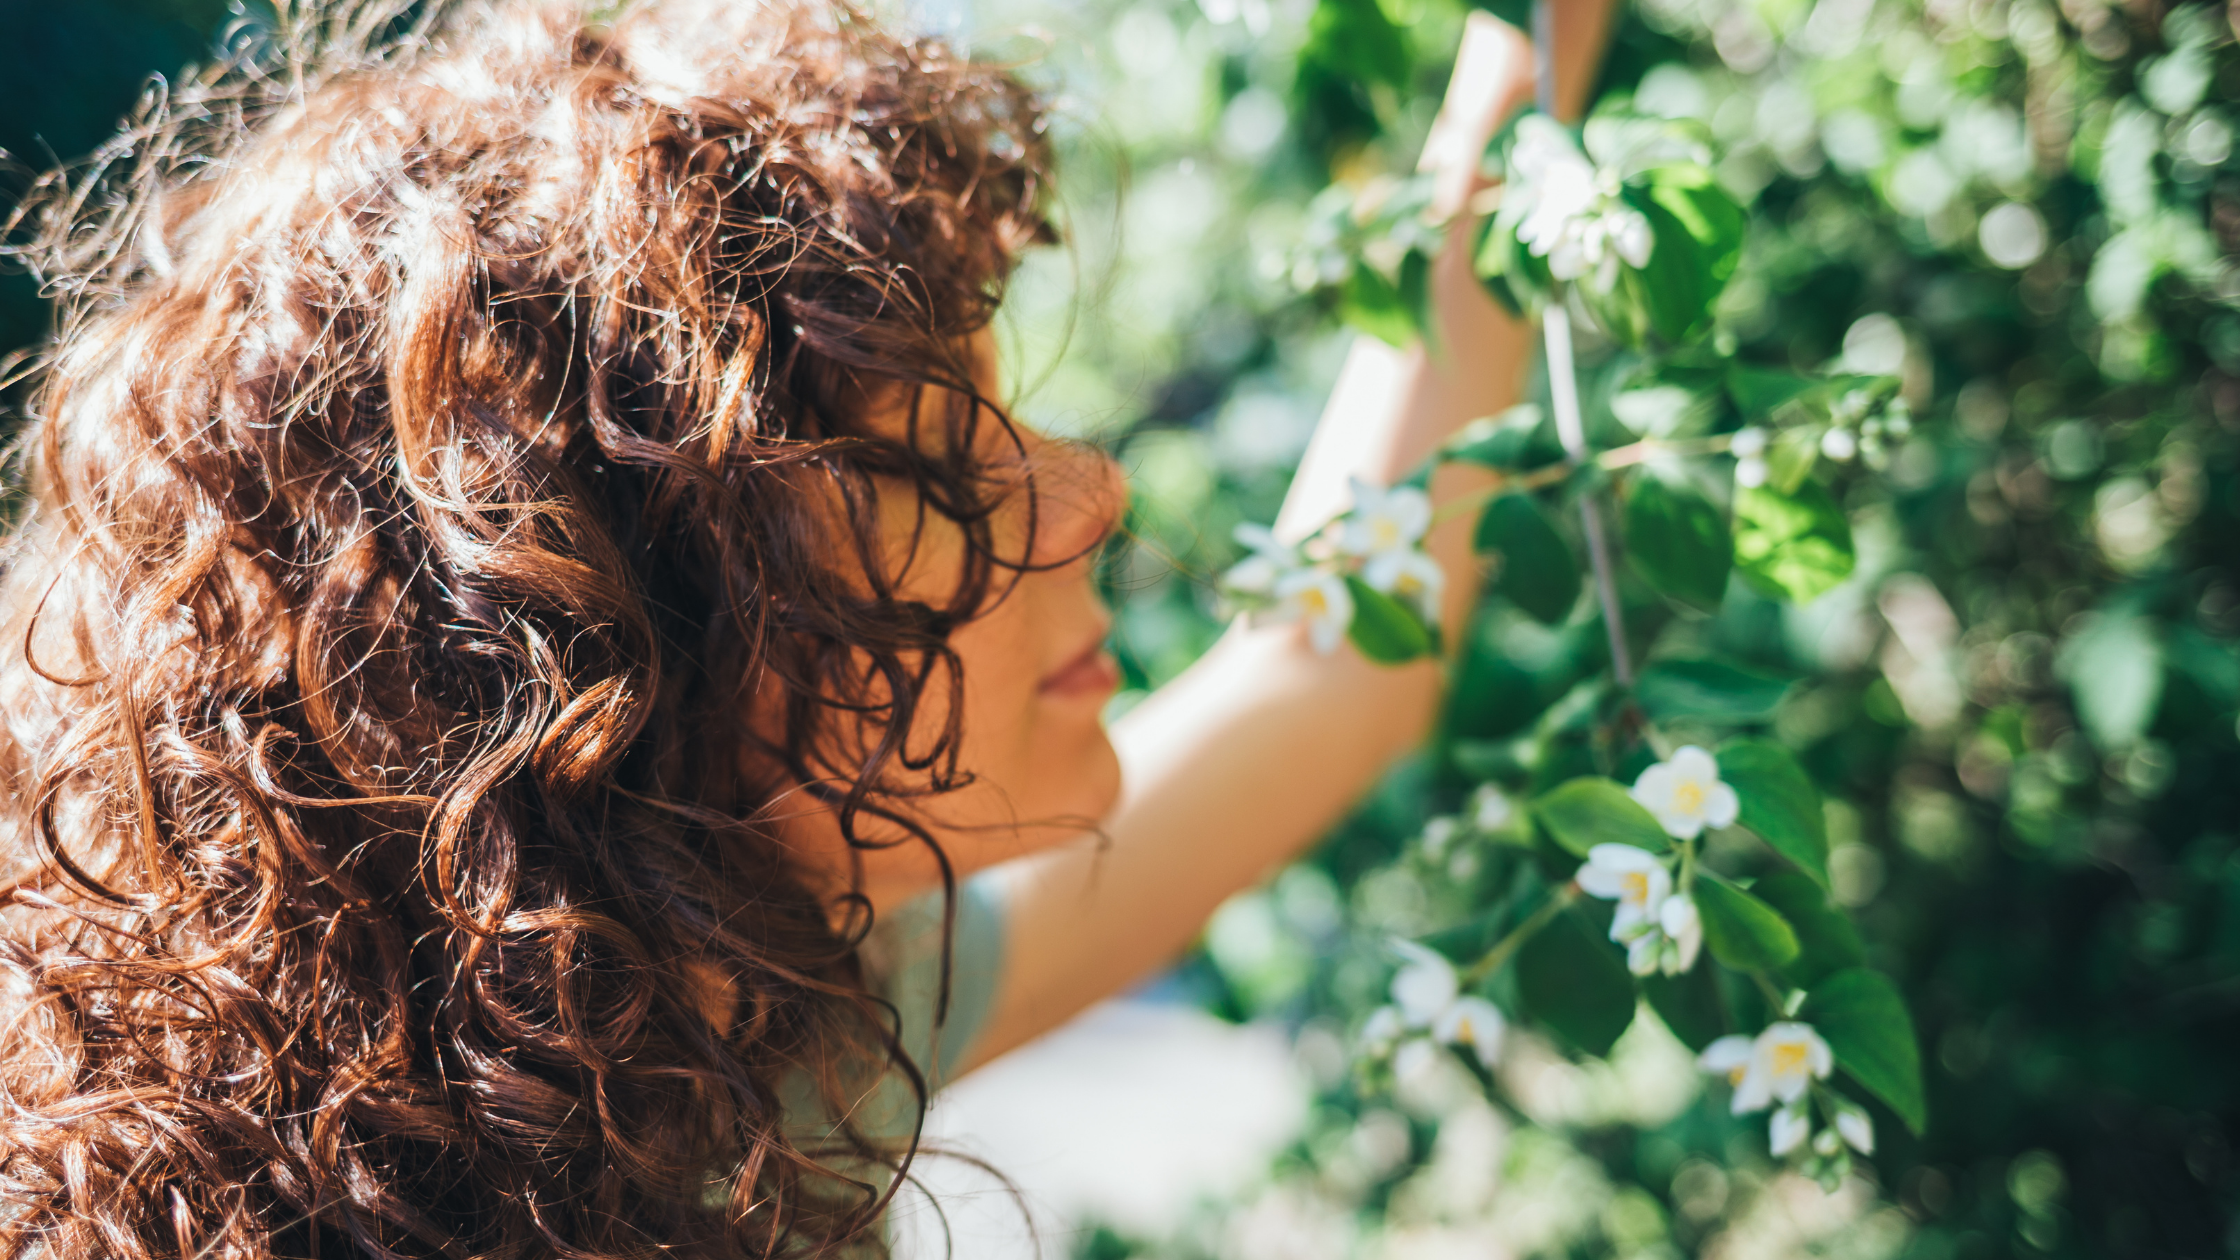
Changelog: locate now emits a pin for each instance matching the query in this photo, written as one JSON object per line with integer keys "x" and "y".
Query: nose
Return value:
{"x": 1079, "y": 495}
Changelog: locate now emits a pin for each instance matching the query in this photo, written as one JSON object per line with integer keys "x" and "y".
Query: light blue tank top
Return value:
{"x": 902, "y": 959}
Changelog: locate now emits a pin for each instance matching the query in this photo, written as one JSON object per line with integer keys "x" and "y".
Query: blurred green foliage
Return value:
{"x": 2022, "y": 702}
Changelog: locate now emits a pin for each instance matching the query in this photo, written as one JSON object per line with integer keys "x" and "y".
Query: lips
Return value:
{"x": 1092, "y": 671}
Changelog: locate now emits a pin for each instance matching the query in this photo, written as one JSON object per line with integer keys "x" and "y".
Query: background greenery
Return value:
{"x": 2022, "y": 706}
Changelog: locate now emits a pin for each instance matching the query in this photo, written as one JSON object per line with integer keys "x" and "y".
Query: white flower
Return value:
{"x": 1839, "y": 444}
{"x": 1383, "y": 521}
{"x": 1791, "y": 1126}
{"x": 1492, "y": 809}
{"x": 1425, "y": 986}
{"x": 1673, "y": 946}
{"x": 1411, "y": 575}
{"x": 1258, "y": 573}
{"x": 1635, "y": 878}
{"x": 1660, "y": 929}
{"x": 1567, "y": 211}
{"x": 1748, "y": 443}
{"x": 1427, "y": 998}
{"x": 1827, "y": 1142}
{"x": 1686, "y": 795}
{"x": 1856, "y": 1127}
{"x": 1382, "y": 1030}
{"x": 1320, "y": 599}
{"x": 1476, "y": 1023}
{"x": 1750, "y": 473}
{"x": 1384, "y": 531}
{"x": 1729, "y": 1056}
{"x": 1413, "y": 1059}
{"x": 1779, "y": 1063}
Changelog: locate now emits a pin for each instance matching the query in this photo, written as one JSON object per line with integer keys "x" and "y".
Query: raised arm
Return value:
{"x": 1257, "y": 749}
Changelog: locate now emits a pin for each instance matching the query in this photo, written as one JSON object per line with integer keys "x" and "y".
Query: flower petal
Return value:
{"x": 1721, "y": 806}
{"x": 1694, "y": 763}
{"x": 1424, "y": 986}
{"x": 1476, "y": 1023}
{"x": 1726, "y": 1054}
{"x": 1857, "y": 1129}
{"x": 1622, "y": 857}
{"x": 1755, "y": 1091}
{"x": 1641, "y": 956}
{"x": 1654, "y": 790}
{"x": 1790, "y": 1127}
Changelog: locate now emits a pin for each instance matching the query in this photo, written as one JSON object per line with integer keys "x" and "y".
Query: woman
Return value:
{"x": 529, "y": 610}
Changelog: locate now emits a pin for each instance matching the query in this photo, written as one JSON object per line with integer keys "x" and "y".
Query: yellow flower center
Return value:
{"x": 1736, "y": 1073}
{"x": 1384, "y": 532}
{"x": 1314, "y": 601}
{"x": 1789, "y": 1058}
{"x": 1688, "y": 797}
{"x": 1637, "y": 886}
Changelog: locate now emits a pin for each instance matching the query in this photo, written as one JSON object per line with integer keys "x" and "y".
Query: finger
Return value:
{"x": 1492, "y": 79}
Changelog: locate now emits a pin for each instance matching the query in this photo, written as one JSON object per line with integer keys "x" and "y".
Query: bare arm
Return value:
{"x": 1257, "y": 749}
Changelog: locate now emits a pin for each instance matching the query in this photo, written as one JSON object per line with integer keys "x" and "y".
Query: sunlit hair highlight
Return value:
{"x": 459, "y": 421}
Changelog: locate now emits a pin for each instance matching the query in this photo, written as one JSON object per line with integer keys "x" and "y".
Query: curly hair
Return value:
{"x": 461, "y": 417}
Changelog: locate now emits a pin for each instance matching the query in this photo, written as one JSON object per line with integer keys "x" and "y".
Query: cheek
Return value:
{"x": 1043, "y": 761}
{"x": 999, "y": 653}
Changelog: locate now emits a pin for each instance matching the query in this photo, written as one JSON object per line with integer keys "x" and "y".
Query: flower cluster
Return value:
{"x": 1686, "y": 794}
{"x": 1379, "y": 540}
{"x": 1567, "y": 210}
{"x": 1855, "y": 430}
{"x": 1658, "y": 922}
{"x": 1429, "y": 1009}
{"x": 1659, "y": 927}
{"x": 1489, "y": 814}
{"x": 1783, "y": 1066}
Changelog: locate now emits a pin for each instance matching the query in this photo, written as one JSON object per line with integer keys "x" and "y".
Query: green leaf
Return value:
{"x": 1757, "y": 391}
{"x": 1492, "y": 697}
{"x": 1690, "y": 1004}
{"x": 1571, "y": 980}
{"x": 1355, "y": 39}
{"x": 1827, "y": 941}
{"x": 1674, "y": 290}
{"x": 1538, "y": 571}
{"x": 1386, "y": 630}
{"x": 1791, "y": 456}
{"x": 1508, "y": 269}
{"x": 1742, "y": 931}
{"x": 1678, "y": 541}
{"x": 2114, "y": 668}
{"x": 1692, "y": 195}
{"x": 1706, "y": 689}
{"x": 1795, "y": 547}
{"x": 1862, "y": 1017}
{"x": 1514, "y": 441}
{"x": 1414, "y": 285}
{"x": 1779, "y": 802}
{"x": 1377, "y": 306}
{"x": 1584, "y": 812}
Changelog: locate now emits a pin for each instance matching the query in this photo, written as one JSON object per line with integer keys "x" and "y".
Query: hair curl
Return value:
{"x": 459, "y": 418}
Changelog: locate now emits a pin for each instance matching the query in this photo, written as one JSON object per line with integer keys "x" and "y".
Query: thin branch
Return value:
{"x": 1563, "y": 392}
{"x": 1517, "y": 936}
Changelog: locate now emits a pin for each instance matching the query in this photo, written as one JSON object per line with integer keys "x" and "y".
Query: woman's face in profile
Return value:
{"x": 1035, "y": 675}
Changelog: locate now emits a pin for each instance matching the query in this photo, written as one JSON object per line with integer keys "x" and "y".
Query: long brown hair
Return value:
{"x": 458, "y": 423}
